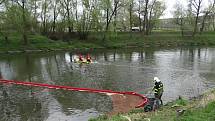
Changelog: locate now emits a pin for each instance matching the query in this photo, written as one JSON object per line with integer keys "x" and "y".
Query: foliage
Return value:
{"x": 207, "y": 114}
{"x": 13, "y": 19}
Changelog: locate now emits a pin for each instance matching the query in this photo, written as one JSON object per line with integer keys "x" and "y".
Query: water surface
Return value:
{"x": 186, "y": 72}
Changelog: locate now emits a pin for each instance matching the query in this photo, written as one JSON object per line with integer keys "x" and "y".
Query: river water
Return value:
{"x": 186, "y": 72}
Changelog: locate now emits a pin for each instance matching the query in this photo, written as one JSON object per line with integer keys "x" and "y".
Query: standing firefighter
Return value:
{"x": 158, "y": 89}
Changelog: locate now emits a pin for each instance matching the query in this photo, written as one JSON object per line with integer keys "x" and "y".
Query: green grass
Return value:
{"x": 105, "y": 118}
{"x": 157, "y": 39}
{"x": 200, "y": 114}
{"x": 40, "y": 42}
{"x": 169, "y": 112}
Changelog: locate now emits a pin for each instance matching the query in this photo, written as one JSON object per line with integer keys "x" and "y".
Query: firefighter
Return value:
{"x": 158, "y": 89}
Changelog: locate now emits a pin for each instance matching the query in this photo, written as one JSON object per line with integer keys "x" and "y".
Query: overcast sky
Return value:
{"x": 170, "y": 6}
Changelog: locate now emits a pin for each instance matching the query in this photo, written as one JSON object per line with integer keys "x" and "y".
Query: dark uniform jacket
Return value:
{"x": 158, "y": 88}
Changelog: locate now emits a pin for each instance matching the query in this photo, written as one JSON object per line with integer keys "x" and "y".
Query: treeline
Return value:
{"x": 195, "y": 16}
{"x": 77, "y": 17}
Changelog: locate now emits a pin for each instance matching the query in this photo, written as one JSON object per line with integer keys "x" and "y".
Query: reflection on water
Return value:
{"x": 185, "y": 72}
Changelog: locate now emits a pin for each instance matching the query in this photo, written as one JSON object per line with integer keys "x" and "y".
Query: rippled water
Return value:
{"x": 185, "y": 72}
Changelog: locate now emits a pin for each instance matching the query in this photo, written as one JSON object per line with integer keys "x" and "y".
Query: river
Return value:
{"x": 186, "y": 72}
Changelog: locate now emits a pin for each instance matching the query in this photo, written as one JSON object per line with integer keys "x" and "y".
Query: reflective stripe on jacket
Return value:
{"x": 158, "y": 88}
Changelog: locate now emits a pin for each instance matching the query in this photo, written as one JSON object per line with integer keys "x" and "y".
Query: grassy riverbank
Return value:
{"x": 120, "y": 40}
{"x": 38, "y": 42}
{"x": 199, "y": 109}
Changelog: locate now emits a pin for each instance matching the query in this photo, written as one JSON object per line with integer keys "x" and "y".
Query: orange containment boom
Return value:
{"x": 142, "y": 104}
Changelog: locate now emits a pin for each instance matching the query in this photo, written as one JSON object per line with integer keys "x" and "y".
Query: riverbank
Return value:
{"x": 158, "y": 39}
{"x": 198, "y": 109}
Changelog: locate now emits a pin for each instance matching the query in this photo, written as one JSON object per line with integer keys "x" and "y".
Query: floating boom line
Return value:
{"x": 142, "y": 104}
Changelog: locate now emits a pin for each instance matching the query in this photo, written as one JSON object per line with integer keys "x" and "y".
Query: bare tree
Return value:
{"x": 45, "y": 15}
{"x": 109, "y": 13}
{"x": 55, "y": 6}
{"x": 179, "y": 16}
{"x": 206, "y": 13}
{"x": 151, "y": 10}
{"x": 213, "y": 18}
{"x": 195, "y": 6}
{"x": 33, "y": 7}
{"x": 140, "y": 11}
{"x": 67, "y": 5}
{"x": 145, "y": 21}
{"x": 131, "y": 6}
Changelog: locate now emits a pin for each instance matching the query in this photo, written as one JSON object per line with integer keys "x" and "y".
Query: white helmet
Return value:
{"x": 156, "y": 79}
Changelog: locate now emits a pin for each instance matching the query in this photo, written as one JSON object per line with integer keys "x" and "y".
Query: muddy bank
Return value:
{"x": 124, "y": 103}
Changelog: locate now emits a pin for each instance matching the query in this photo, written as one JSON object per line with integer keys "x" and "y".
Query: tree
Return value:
{"x": 85, "y": 22}
{"x": 131, "y": 7}
{"x": 34, "y": 10}
{"x": 55, "y": 6}
{"x": 25, "y": 16}
{"x": 213, "y": 18}
{"x": 16, "y": 17}
{"x": 206, "y": 13}
{"x": 140, "y": 11}
{"x": 195, "y": 7}
{"x": 179, "y": 15}
{"x": 44, "y": 15}
{"x": 111, "y": 10}
{"x": 145, "y": 21}
{"x": 67, "y": 5}
{"x": 156, "y": 9}
{"x": 96, "y": 16}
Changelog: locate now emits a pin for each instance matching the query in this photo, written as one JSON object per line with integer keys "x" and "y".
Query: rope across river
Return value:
{"x": 90, "y": 90}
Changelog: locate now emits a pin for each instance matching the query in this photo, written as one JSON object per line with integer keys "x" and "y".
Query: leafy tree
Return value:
{"x": 17, "y": 17}
{"x": 156, "y": 9}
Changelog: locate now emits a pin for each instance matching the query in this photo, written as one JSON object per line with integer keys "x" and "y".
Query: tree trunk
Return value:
{"x": 68, "y": 17}
{"x": 115, "y": 17}
{"x": 130, "y": 15}
{"x": 114, "y": 23}
{"x": 140, "y": 21}
{"x": 149, "y": 23}
{"x": 214, "y": 22}
{"x": 196, "y": 25}
{"x": 6, "y": 39}
{"x": 182, "y": 27}
{"x": 25, "y": 39}
{"x": 55, "y": 17}
{"x": 44, "y": 18}
{"x": 203, "y": 22}
{"x": 107, "y": 20}
{"x": 54, "y": 26}
{"x": 145, "y": 23}
{"x": 197, "y": 17}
